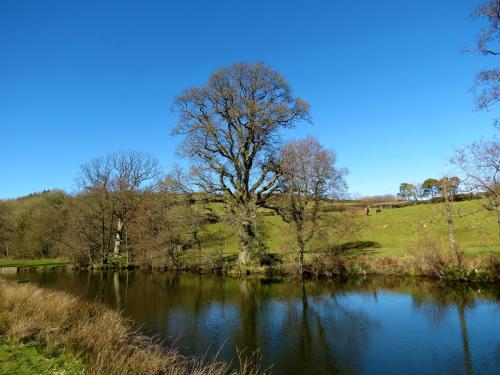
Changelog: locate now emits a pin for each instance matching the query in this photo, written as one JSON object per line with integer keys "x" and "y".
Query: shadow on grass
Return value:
{"x": 355, "y": 248}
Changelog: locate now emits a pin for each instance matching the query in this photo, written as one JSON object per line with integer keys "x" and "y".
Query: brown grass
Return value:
{"x": 106, "y": 340}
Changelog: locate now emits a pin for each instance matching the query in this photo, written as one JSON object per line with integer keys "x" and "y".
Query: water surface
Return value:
{"x": 362, "y": 326}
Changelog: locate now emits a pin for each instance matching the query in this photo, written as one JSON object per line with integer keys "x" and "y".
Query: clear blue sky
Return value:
{"x": 388, "y": 87}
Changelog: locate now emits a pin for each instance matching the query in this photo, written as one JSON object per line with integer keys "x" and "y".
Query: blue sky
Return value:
{"x": 388, "y": 87}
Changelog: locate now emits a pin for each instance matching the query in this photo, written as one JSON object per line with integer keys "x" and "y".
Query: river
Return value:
{"x": 355, "y": 326}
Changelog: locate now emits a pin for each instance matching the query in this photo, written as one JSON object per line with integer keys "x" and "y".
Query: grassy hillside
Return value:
{"x": 398, "y": 229}
{"x": 390, "y": 232}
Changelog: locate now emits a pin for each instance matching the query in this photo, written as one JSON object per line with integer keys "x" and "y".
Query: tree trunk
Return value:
{"x": 302, "y": 245}
{"x": 103, "y": 238}
{"x": 246, "y": 234}
{"x": 89, "y": 254}
{"x": 451, "y": 226}
{"x": 118, "y": 238}
{"x": 301, "y": 262}
{"x": 246, "y": 237}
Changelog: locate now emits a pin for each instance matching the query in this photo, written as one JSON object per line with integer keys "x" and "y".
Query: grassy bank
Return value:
{"x": 408, "y": 240}
{"x": 33, "y": 263}
{"x": 85, "y": 337}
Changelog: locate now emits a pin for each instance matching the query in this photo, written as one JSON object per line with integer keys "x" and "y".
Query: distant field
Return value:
{"x": 398, "y": 229}
{"x": 390, "y": 232}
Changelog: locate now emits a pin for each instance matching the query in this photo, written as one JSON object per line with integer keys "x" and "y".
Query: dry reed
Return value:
{"x": 107, "y": 342}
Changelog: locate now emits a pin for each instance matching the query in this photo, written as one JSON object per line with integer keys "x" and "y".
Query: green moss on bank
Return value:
{"x": 28, "y": 359}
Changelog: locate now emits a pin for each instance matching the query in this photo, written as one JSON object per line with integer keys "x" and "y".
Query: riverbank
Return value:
{"x": 33, "y": 263}
{"x": 429, "y": 263}
{"x": 87, "y": 338}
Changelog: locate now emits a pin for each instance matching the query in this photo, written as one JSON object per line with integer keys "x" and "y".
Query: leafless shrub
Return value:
{"x": 430, "y": 256}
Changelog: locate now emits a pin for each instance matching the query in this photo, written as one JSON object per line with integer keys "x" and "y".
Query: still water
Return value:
{"x": 361, "y": 326}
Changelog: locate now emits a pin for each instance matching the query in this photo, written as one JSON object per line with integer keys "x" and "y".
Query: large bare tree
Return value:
{"x": 309, "y": 178}
{"x": 231, "y": 129}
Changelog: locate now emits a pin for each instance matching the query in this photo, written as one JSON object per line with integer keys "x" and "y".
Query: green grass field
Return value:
{"x": 391, "y": 232}
{"x": 398, "y": 229}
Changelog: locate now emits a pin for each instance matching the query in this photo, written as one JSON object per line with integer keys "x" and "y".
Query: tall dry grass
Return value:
{"x": 106, "y": 340}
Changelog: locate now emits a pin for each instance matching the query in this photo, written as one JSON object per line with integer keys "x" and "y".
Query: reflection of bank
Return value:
{"x": 119, "y": 294}
{"x": 247, "y": 337}
{"x": 116, "y": 285}
{"x": 322, "y": 333}
{"x": 440, "y": 299}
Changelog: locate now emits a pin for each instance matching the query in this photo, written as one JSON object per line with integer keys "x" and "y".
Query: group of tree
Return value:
{"x": 429, "y": 189}
{"x": 232, "y": 131}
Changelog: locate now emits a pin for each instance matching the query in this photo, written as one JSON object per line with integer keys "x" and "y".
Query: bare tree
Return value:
{"x": 487, "y": 44}
{"x": 489, "y": 36}
{"x": 231, "y": 129}
{"x": 182, "y": 185}
{"x": 309, "y": 179}
{"x": 159, "y": 228}
{"x": 117, "y": 184}
{"x": 480, "y": 164}
{"x": 6, "y": 228}
{"x": 446, "y": 185}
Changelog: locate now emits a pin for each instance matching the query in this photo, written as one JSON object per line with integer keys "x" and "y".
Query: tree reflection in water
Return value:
{"x": 304, "y": 327}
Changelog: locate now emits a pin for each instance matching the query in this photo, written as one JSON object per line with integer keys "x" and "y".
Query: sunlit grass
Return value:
{"x": 32, "y": 262}
{"x": 28, "y": 359}
{"x": 392, "y": 231}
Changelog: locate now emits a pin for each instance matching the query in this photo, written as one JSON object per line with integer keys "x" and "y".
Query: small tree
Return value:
{"x": 309, "y": 178}
{"x": 6, "y": 228}
{"x": 181, "y": 184}
{"x": 430, "y": 188}
{"x": 407, "y": 191}
{"x": 447, "y": 185}
{"x": 480, "y": 164}
{"x": 115, "y": 186}
{"x": 231, "y": 128}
